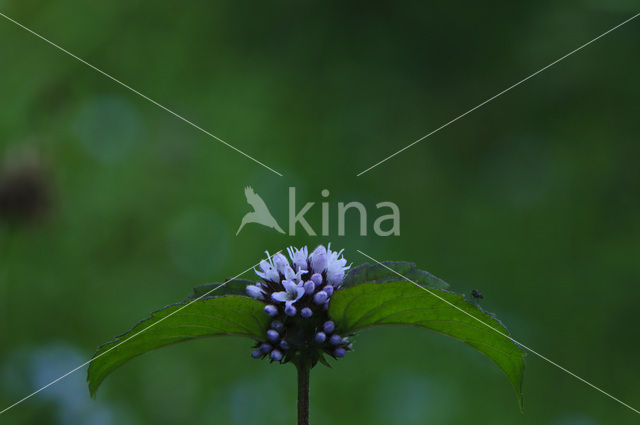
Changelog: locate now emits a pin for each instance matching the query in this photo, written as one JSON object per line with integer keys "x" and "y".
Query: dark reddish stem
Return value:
{"x": 303, "y": 392}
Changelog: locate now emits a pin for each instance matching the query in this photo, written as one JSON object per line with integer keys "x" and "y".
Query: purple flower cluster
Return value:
{"x": 297, "y": 295}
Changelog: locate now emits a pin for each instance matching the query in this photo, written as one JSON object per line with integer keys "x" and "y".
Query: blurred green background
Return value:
{"x": 111, "y": 208}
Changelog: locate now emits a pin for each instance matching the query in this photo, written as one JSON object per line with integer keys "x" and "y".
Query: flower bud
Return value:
{"x": 320, "y": 337}
{"x": 339, "y": 352}
{"x": 271, "y": 310}
{"x": 328, "y": 289}
{"x": 320, "y": 297}
{"x": 256, "y": 354}
{"x": 316, "y": 278}
{"x": 255, "y": 292}
{"x": 290, "y": 311}
{"x": 306, "y": 312}
{"x": 276, "y": 355}
{"x": 335, "y": 339}
{"x": 328, "y": 327}
{"x": 284, "y": 345}
{"x": 266, "y": 348}
{"x": 277, "y": 325}
{"x": 273, "y": 335}
{"x": 309, "y": 287}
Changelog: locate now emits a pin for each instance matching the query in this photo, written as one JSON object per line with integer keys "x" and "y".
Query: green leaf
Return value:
{"x": 216, "y": 316}
{"x": 403, "y": 303}
{"x": 229, "y": 287}
{"x": 380, "y": 273}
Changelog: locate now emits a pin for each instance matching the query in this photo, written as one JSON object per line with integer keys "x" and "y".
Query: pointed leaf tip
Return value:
{"x": 207, "y": 317}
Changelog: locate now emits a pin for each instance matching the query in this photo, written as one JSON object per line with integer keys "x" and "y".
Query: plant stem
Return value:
{"x": 303, "y": 392}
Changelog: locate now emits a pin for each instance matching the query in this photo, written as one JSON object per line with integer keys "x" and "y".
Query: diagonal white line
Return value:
{"x": 175, "y": 114}
{"x": 499, "y": 94}
{"x": 131, "y": 337}
{"x": 503, "y": 334}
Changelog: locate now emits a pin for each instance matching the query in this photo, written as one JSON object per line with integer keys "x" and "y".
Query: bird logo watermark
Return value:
{"x": 260, "y": 213}
{"x": 384, "y": 225}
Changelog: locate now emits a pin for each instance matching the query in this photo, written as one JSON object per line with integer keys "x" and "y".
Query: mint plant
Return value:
{"x": 305, "y": 310}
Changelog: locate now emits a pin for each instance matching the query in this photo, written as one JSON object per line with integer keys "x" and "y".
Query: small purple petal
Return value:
{"x": 320, "y": 337}
{"x": 289, "y": 274}
{"x": 279, "y": 297}
{"x": 318, "y": 259}
{"x": 317, "y": 278}
{"x": 298, "y": 257}
{"x": 273, "y": 335}
{"x": 328, "y": 327}
{"x": 335, "y": 339}
{"x": 281, "y": 263}
{"x": 328, "y": 289}
{"x": 300, "y": 293}
{"x": 284, "y": 345}
{"x": 290, "y": 310}
{"x": 326, "y": 306}
{"x": 306, "y": 312}
{"x": 276, "y": 355}
{"x": 309, "y": 287}
{"x": 256, "y": 354}
{"x": 268, "y": 272}
{"x": 277, "y": 325}
{"x": 335, "y": 277}
{"x": 271, "y": 310}
{"x": 339, "y": 352}
{"x": 320, "y": 297}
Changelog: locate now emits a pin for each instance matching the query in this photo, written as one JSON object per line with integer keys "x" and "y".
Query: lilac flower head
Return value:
{"x": 301, "y": 285}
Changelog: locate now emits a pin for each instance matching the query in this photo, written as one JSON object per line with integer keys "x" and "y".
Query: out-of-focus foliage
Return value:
{"x": 532, "y": 199}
